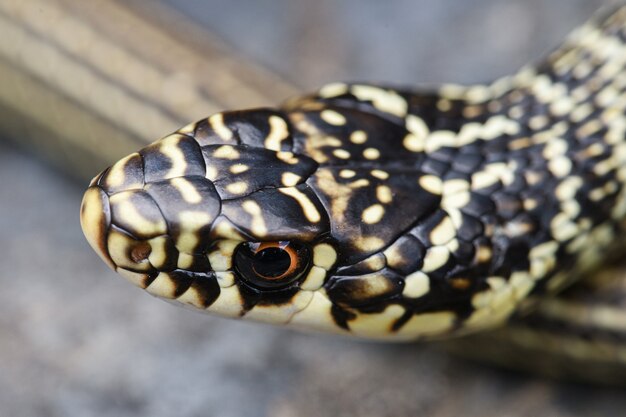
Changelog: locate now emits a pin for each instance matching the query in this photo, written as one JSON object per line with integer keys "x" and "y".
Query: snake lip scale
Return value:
{"x": 380, "y": 212}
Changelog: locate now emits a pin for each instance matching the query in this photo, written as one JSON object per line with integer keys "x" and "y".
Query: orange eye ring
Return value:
{"x": 281, "y": 246}
{"x": 271, "y": 265}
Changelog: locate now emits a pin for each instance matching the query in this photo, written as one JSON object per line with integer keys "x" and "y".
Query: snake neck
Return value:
{"x": 539, "y": 157}
{"x": 582, "y": 80}
{"x": 581, "y": 83}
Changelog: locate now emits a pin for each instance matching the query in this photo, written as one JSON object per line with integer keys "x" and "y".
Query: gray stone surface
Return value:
{"x": 76, "y": 340}
{"x": 403, "y": 42}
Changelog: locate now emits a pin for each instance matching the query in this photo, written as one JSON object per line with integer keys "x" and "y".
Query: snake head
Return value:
{"x": 378, "y": 212}
{"x": 217, "y": 216}
{"x": 331, "y": 215}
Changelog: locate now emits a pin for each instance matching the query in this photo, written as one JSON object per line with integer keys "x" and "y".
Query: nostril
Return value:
{"x": 141, "y": 252}
{"x": 128, "y": 252}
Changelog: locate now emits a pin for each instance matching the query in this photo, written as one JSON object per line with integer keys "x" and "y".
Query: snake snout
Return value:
{"x": 151, "y": 213}
{"x": 157, "y": 249}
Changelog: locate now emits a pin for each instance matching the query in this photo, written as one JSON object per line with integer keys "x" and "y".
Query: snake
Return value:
{"x": 388, "y": 213}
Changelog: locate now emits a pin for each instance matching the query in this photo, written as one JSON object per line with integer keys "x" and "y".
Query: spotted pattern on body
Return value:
{"x": 425, "y": 214}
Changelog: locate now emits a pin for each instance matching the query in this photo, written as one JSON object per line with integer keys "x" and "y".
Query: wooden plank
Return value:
{"x": 140, "y": 74}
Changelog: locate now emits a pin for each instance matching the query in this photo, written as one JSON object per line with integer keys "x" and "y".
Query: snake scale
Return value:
{"x": 389, "y": 213}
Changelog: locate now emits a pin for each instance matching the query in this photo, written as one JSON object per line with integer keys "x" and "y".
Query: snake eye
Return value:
{"x": 271, "y": 265}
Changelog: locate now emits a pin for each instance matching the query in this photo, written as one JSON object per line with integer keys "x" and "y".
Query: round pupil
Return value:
{"x": 271, "y": 262}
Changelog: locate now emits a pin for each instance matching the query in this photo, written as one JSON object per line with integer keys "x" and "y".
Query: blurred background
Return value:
{"x": 84, "y": 83}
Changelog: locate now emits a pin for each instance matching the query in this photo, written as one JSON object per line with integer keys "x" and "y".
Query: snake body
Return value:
{"x": 380, "y": 212}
